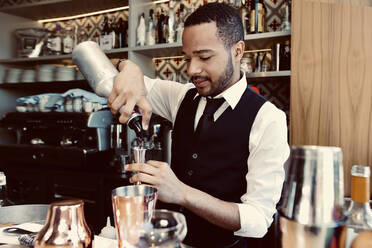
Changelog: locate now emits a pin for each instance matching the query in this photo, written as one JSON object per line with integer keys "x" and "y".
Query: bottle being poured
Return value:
{"x": 100, "y": 74}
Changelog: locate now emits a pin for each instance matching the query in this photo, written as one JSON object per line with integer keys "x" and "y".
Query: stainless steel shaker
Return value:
{"x": 311, "y": 209}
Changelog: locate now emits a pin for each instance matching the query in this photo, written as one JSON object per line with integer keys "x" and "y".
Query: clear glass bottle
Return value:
{"x": 150, "y": 32}
{"x": 68, "y": 39}
{"x": 359, "y": 214}
{"x": 3, "y": 190}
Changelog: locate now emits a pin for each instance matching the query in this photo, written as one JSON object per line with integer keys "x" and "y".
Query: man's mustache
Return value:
{"x": 193, "y": 78}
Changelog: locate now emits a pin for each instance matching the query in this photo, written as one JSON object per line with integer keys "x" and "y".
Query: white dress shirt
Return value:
{"x": 268, "y": 148}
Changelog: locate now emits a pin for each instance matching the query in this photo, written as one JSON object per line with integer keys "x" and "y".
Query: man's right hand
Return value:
{"x": 129, "y": 90}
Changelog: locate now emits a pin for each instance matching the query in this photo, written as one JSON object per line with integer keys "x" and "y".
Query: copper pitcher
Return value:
{"x": 65, "y": 226}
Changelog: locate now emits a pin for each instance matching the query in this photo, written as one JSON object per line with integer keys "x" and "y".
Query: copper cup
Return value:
{"x": 131, "y": 205}
{"x": 65, "y": 226}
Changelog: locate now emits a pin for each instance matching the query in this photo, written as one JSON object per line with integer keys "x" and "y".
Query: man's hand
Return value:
{"x": 129, "y": 90}
{"x": 161, "y": 176}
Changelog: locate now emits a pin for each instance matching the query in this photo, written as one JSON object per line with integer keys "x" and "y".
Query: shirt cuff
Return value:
{"x": 252, "y": 222}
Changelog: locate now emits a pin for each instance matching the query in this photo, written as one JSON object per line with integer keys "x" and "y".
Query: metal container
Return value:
{"x": 65, "y": 226}
{"x": 18, "y": 214}
{"x": 130, "y": 203}
{"x": 95, "y": 66}
{"x": 312, "y": 204}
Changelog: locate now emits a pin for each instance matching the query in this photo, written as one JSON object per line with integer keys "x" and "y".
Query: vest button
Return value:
{"x": 194, "y": 155}
{"x": 190, "y": 173}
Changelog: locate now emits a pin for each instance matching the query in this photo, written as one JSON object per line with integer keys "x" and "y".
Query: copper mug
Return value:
{"x": 65, "y": 226}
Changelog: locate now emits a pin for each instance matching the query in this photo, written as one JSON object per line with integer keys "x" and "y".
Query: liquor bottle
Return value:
{"x": 257, "y": 20}
{"x": 171, "y": 23}
{"x": 122, "y": 30}
{"x": 112, "y": 33}
{"x": 243, "y": 11}
{"x": 141, "y": 31}
{"x": 68, "y": 39}
{"x": 285, "y": 13}
{"x": 160, "y": 28}
{"x": 105, "y": 40}
{"x": 55, "y": 41}
{"x": 150, "y": 32}
{"x": 3, "y": 190}
{"x": 359, "y": 214}
{"x": 180, "y": 24}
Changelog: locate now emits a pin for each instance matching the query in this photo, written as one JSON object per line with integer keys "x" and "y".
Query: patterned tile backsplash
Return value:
{"x": 276, "y": 90}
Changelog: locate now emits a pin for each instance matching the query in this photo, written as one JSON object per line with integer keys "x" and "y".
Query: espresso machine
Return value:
{"x": 49, "y": 156}
{"x": 58, "y": 138}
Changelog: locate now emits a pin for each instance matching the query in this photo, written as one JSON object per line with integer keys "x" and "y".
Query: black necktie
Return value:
{"x": 206, "y": 120}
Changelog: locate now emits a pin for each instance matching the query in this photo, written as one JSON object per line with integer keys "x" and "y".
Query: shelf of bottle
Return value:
{"x": 268, "y": 74}
{"x": 265, "y": 40}
{"x": 253, "y": 41}
{"x": 58, "y": 8}
{"x": 60, "y": 59}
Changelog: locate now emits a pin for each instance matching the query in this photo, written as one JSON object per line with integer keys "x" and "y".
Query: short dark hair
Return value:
{"x": 228, "y": 22}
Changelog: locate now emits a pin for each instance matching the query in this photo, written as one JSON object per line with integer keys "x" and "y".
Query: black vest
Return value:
{"x": 215, "y": 163}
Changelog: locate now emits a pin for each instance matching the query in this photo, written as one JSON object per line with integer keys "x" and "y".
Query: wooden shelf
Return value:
{"x": 60, "y": 8}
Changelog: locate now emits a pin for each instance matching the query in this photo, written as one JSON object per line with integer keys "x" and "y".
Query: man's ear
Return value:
{"x": 238, "y": 50}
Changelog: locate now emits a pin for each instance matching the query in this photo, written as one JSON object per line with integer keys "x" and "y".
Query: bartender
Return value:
{"x": 229, "y": 144}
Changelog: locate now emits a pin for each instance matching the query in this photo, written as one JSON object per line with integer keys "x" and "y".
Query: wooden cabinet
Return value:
{"x": 331, "y": 79}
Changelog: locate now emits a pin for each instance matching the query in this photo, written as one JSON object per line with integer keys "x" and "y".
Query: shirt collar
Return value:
{"x": 233, "y": 94}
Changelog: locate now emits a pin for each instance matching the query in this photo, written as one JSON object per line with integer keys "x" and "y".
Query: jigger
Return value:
{"x": 139, "y": 155}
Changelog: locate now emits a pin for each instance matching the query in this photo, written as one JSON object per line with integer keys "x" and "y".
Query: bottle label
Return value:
{"x": 106, "y": 42}
{"x": 54, "y": 44}
{"x": 68, "y": 44}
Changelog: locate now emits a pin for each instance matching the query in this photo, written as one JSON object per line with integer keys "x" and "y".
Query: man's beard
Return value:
{"x": 222, "y": 81}
{"x": 226, "y": 76}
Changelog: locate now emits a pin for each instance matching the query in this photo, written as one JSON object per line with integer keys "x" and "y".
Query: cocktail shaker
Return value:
{"x": 65, "y": 226}
{"x": 130, "y": 205}
{"x": 100, "y": 74}
{"x": 312, "y": 205}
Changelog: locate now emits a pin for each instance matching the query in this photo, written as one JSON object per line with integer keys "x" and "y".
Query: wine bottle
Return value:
{"x": 257, "y": 20}
{"x": 105, "y": 41}
{"x": 359, "y": 214}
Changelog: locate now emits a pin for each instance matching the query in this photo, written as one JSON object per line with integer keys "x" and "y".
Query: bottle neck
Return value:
{"x": 360, "y": 189}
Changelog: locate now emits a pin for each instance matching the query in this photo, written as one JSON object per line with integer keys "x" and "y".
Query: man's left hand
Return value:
{"x": 160, "y": 175}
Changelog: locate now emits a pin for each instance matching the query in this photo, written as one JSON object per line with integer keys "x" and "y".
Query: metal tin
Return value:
{"x": 130, "y": 203}
{"x": 65, "y": 226}
{"x": 313, "y": 193}
{"x": 95, "y": 66}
